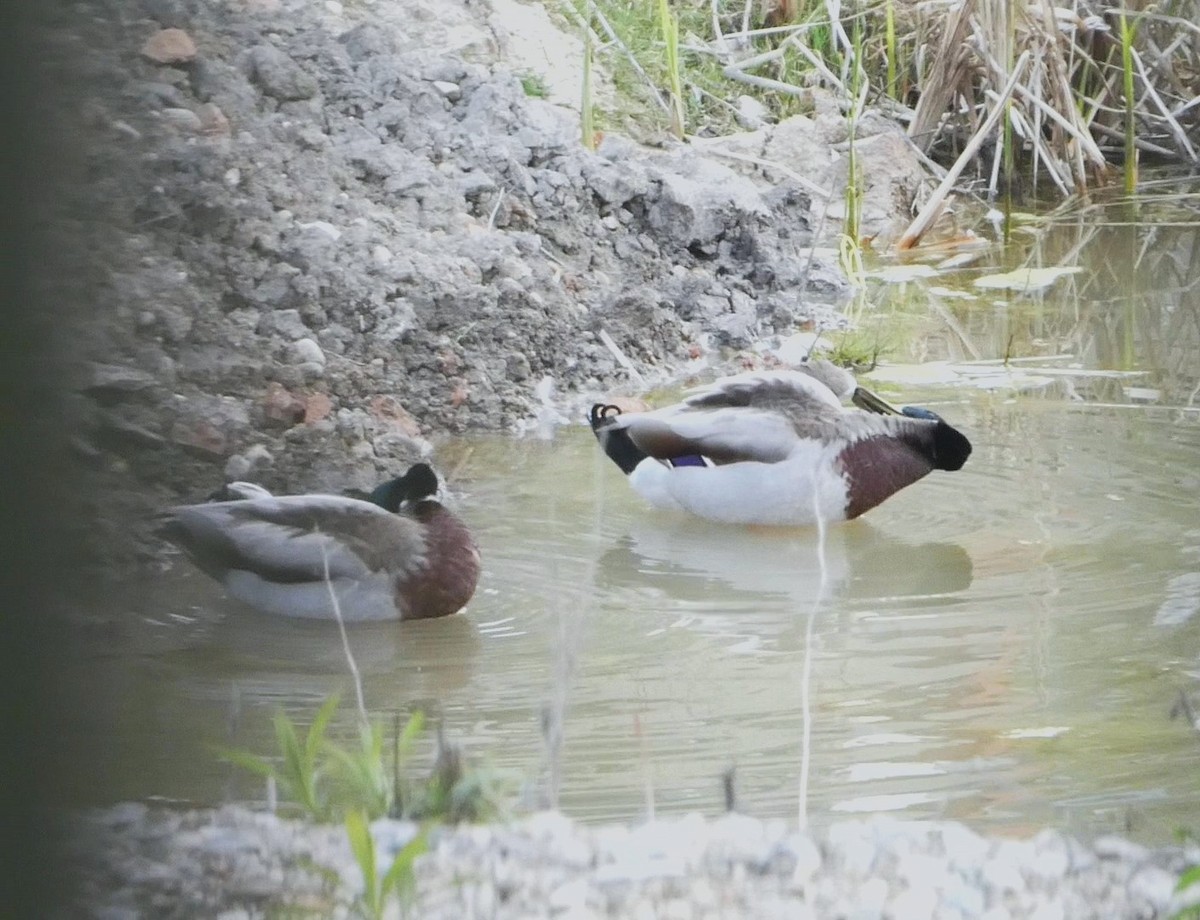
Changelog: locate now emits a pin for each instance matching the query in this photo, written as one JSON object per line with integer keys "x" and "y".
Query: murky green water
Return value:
{"x": 1001, "y": 645}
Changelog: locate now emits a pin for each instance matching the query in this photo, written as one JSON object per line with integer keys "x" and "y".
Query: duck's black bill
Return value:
{"x": 872, "y": 402}
{"x": 614, "y": 439}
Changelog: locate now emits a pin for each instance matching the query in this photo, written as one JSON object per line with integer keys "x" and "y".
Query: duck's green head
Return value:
{"x": 419, "y": 482}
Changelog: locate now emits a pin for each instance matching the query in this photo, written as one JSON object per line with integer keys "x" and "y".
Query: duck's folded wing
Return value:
{"x": 245, "y": 490}
{"x": 722, "y": 435}
{"x": 295, "y": 538}
{"x": 765, "y": 389}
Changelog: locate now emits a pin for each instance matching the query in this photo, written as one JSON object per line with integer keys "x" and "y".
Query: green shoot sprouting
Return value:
{"x": 398, "y": 880}
{"x": 669, "y": 27}
{"x": 300, "y": 773}
{"x": 587, "y": 115}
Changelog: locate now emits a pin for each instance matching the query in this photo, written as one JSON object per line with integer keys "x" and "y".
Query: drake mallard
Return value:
{"x": 398, "y": 554}
{"x": 777, "y": 447}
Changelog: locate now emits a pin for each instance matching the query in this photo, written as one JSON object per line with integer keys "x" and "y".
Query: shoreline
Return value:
{"x": 233, "y": 863}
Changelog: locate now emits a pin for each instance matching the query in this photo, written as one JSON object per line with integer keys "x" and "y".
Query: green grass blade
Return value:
{"x": 299, "y": 772}
{"x": 297, "y": 781}
{"x": 1127, "y": 33}
{"x": 316, "y": 731}
{"x": 412, "y": 728}
{"x": 248, "y": 761}
{"x": 587, "y": 115}
{"x": 400, "y": 876}
{"x": 1188, "y": 879}
{"x": 362, "y": 844}
{"x": 363, "y": 773}
{"x": 285, "y": 734}
{"x": 669, "y": 27}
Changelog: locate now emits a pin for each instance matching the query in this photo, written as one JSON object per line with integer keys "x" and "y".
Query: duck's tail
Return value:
{"x": 614, "y": 439}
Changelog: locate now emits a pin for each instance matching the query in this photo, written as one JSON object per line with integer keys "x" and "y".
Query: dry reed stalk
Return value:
{"x": 595, "y": 11}
{"x": 1071, "y": 102}
{"x": 944, "y": 81}
{"x": 737, "y": 70}
{"x": 933, "y": 207}
{"x": 1181, "y": 138}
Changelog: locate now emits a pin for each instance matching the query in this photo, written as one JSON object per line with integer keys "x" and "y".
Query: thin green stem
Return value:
{"x": 892, "y": 88}
{"x": 587, "y": 114}
{"x": 1128, "y": 30}
{"x": 669, "y": 26}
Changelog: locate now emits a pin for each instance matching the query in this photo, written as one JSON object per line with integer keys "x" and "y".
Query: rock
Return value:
{"x": 807, "y": 859}
{"x": 316, "y": 408}
{"x": 164, "y": 94}
{"x": 1153, "y": 885}
{"x": 390, "y": 414}
{"x": 918, "y": 903}
{"x": 183, "y": 120}
{"x": 125, "y": 813}
{"x": 223, "y": 858}
{"x": 167, "y": 13}
{"x": 451, "y": 91}
{"x": 278, "y": 75}
{"x": 169, "y": 46}
{"x": 201, "y": 437}
{"x": 244, "y": 465}
{"x": 368, "y": 40}
{"x": 570, "y": 897}
{"x": 962, "y": 846}
{"x": 752, "y": 114}
{"x": 852, "y": 846}
{"x": 1052, "y": 859}
{"x": 307, "y": 351}
{"x": 286, "y": 323}
{"x": 222, "y": 83}
{"x": 1002, "y": 875}
{"x": 1050, "y": 910}
{"x": 517, "y": 367}
{"x": 322, "y": 229}
{"x": 870, "y": 900}
{"x": 284, "y": 407}
{"x": 117, "y": 381}
{"x": 1112, "y": 847}
{"x": 124, "y": 432}
{"x": 213, "y": 121}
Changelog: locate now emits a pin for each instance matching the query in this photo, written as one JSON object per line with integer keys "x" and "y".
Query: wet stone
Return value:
{"x": 169, "y": 46}
{"x": 307, "y": 351}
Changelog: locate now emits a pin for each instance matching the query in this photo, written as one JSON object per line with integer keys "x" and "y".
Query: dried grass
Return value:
{"x": 1067, "y": 113}
{"x": 1093, "y": 95}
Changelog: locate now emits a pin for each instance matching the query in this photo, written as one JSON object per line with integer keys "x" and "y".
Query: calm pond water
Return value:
{"x": 1001, "y": 645}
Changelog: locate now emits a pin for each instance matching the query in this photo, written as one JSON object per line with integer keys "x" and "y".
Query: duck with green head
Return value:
{"x": 397, "y": 554}
{"x": 777, "y": 448}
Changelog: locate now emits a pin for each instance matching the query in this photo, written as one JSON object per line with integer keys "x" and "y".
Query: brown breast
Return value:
{"x": 876, "y": 468}
{"x": 451, "y": 572}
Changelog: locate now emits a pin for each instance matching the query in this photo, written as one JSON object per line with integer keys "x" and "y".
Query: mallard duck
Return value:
{"x": 400, "y": 554}
{"x": 777, "y": 447}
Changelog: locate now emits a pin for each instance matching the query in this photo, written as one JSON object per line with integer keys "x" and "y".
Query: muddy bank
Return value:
{"x": 320, "y": 236}
{"x": 235, "y": 863}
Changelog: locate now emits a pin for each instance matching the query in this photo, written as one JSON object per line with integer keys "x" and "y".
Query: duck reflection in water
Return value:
{"x": 689, "y": 560}
{"x": 275, "y": 658}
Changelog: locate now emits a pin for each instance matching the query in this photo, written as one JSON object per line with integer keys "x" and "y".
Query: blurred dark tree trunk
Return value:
{"x": 40, "y": 557}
